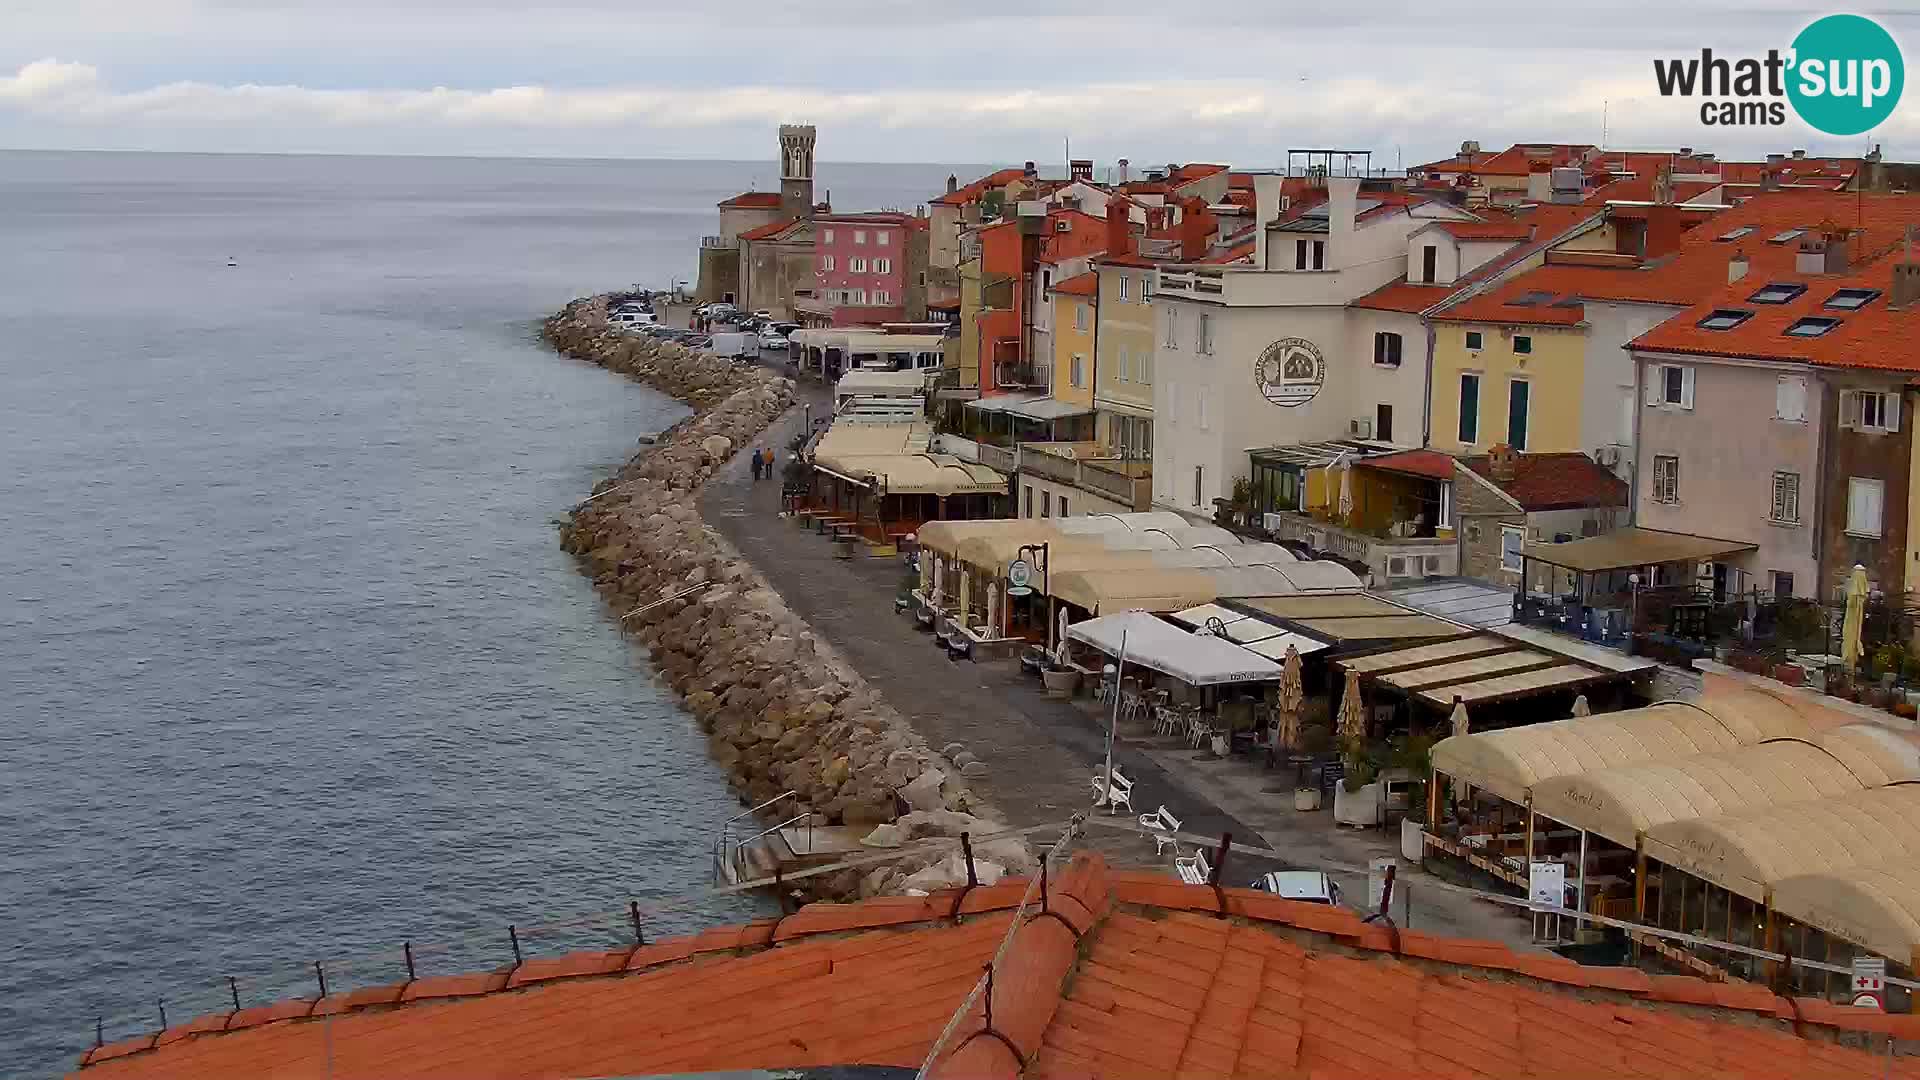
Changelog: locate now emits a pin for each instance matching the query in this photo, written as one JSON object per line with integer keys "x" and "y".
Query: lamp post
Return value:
{"x": 1633, "y": 610}
{"x": 1024, "y": 554}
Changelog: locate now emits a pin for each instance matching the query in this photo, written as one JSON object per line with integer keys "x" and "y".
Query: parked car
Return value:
{"x": 1306, "y": 886}
{"x": 764, "y": 314}
{"x": 717, "y": 311}
{"x": 773, "y": 339}
{"x": 634, "y": 320}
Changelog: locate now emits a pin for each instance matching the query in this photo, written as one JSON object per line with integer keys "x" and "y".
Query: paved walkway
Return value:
{"x": 1040, "y": 752}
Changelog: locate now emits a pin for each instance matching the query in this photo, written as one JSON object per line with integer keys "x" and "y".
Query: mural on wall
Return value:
{"x": 1290, "y": 372}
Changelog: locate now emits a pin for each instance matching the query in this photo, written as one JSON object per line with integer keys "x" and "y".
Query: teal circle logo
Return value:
{"x": 1847, "y": 74}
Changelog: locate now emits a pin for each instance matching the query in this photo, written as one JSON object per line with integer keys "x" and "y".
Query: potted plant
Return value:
{"x": 1356, "y": 800}
{"x": 1414, "y": 754}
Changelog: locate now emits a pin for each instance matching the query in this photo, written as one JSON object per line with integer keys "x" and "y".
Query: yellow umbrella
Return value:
{"x": 1292, "y": 696}
{"x": 1353, "y": 716}
{"x": 1856, "y": 615}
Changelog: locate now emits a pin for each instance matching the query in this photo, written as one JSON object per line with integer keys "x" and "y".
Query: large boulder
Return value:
{"x": 717, "y": 447}
{"x": 923, "y": 791}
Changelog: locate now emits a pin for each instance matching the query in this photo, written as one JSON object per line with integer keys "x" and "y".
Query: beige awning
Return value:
{"x": 1164, "y": 590}
{"x": 945, "y": 537}
{"x": 1750, "y": 853}
{"x": 1622, "y": 802}
{"x": 1510, "y": 763}
{"x": 1559, "y": 677}
{"x": 1469, "y": 669}
{"x": 1420, "y": 655}
{"x": 917, "y": 474}
{"x": 1877, "y": 907}
{"x": 1624, "y": 549}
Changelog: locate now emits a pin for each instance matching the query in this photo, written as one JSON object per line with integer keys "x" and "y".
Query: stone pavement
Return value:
{"x": 1039, "y": 751}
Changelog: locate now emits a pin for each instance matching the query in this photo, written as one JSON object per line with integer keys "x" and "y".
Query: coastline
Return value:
{"x": 782, "y": 710}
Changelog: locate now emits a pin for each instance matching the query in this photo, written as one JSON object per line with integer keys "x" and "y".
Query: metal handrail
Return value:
{"x": 723, "y": 846}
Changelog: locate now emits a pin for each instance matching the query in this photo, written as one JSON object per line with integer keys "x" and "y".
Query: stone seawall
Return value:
{"x": 781, "y": 709}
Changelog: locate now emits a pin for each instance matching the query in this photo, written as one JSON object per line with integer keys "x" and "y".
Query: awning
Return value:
{"x": 1510, "y": 763}
{"x": 1877, "y": 906}
{"x": 1752, "y": 852}
{"x": 873, "y": 382}
{"x": 999, "y": 402}
{"x": 1624, "y": 549}
{"x": 1047, "y": 409}
{"x": 1195, "y": 659}
{"x": 945, "y": 537}
{"x": 1276, "y": 647}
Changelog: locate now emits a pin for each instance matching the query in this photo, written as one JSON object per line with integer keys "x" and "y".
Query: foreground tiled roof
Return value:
{"x": 1555, "y": 482}
{"x": 754, "y": 200}
{"x": 1123, "y": 975}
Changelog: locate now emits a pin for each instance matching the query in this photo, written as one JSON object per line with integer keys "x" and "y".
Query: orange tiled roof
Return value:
{"x": 1131, "y": 258}
{"x": 1431, "y": 464}
{"x": 1640, "y": 189}
{"x": 1231, "y": 255}
{"x": 980, "y": 187}
{"x": 1874, "y": 336}
{"x": 1125, "y": 975}
{"x": 1500, "y": 229}
{"x": 1555, "y": 481}
{"x": 1087, "y": 284}
{"x": 754, "y": 200}
{"x": 1516, "y": 161}
{"x": 1402, "y": 295}
{"x": 770, "y": 229}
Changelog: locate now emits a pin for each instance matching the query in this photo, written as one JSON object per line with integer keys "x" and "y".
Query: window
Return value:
{"x": 857, "y": 265}
{"x": 1173, "y": 404}
{"x": 883, "y": 266}
{"x": 1744, "y": 230}
{"x": 1786, "y": 498}
{"x": 1319, "y": 254}
{"x": 880, "y": 237}
{"x": 1300, "y": 254}
{"x": 826, "y": 262}
{"x": 1386, "y": 349}
{"x": 1046, "y": 280}
{"x": 1522, "y": 344}
{"x": 1469, "y": 408}
{"x": 1146, "y": 288}
{"x": 1120, "y": 372}
{"x": 1125, "y": 287}
{"x": 1429, "y": 256}
{"x": 1790, "y": 399}
{"x": 1383, "y": 423}
{"x": 1143, "y": 367}
{"x": 1173, "y": 328}
{"x": 1726, "y": 318}
{"x": 1783, "y": 237}
{"x": 1474, "y": 340}
{"x": 1076, "y": 374}
{"x": 1200, "y": 407}
{"x": 1782, "y": 585}
{"x": 1199, "y": 482}
{"x": 1046, "y": 505}
{"x": 1518, "y": 399}
{"x": 858, "y": 297}
{"x": 1811, "y": 326}
{"x": 1080, "y": 317}
{"x": 1029, "y": 493}
{"x": 859, "y": 236}
{"x": 1205, "y": 342}
{"x": 1666, "y": 478}
{"x": 1850, "y": 299}
{"x": 1670, "y": 385}
{"x": 826, "y": 236}
{"x": 1779, "y": 292}
{"x": 1873, "y": 411}
{"x": 882, "y": 296}
{"x": 1863, "y": 506}
{"x": 1513, "y": 544}
{"x": 1063, "y": 506}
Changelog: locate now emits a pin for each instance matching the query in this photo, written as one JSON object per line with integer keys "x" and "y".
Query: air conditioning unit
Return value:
{"x": 1063, "y": 225}
{"x": 1360, "y": 427}
{"x": 1607, "y": 456}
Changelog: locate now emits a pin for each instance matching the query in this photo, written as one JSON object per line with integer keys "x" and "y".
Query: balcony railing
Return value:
{"x": 1002, "y": 458}
{"x": 1388, "y": 559}
{"x": 713, "y": 242}
{"x": 1108, "y": 477}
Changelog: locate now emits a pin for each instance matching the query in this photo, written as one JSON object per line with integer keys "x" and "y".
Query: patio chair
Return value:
{"x": 1163, "y": 824}
{"x": 1194, "y": 870}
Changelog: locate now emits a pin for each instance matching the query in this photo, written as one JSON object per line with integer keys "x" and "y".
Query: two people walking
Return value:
{"x": 762, "y": 463}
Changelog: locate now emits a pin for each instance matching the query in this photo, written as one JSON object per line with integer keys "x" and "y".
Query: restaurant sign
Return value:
{"x": 1019, "y": 578}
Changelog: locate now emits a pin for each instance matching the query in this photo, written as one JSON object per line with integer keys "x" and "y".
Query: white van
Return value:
{"x": 635, "y": 320}
{"x": 1306, "y": 886}
{"x": 735, "y": 345}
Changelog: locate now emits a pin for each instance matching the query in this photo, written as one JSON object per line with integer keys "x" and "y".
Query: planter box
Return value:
{"x": 1356, "y": 807}
{"x": 1061, "y": 682}
{"x": 1413, "y": 840}
{"x": 1306, "y": 799}
{"x": 1791, "y": 674}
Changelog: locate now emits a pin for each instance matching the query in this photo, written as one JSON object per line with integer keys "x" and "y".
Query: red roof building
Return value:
{"x": 753, "y": 200}
{"x": 1124, "y": 974}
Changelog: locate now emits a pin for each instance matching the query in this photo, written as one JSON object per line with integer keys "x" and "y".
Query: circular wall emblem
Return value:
{"x": 1290, "y": 372}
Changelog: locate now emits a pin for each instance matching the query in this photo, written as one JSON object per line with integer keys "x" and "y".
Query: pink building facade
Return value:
{"x": 860, "y": 260}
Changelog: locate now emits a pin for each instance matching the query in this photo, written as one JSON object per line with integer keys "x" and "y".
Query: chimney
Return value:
{"x": 1770, "y": 177}
{"x": 1776, "y": 159}
{"x": 1266, "y": 209}
{"x": 1156, "y": 217}
{"x": 1539, "y": 185}
{"x": 1662, "y": 234}
{"x": 1121, "y": 176}
{"x": 953, "y": 183}
{"x": 1811, "y": 258}
{"x": 1342, "y": 195}
{"x": 1906, "y": 276}
{"x": 1119, "y": 228}
{"x": 1799, "y": 155}
{"x": 1028, "y": 170}
{"x": 1737, "y": 267}
{"x": 1502, "y": 463}
{"x": 1663, "y": 185}
{"x": 1196, "y": 229}
{"x": 1080, "y": 169}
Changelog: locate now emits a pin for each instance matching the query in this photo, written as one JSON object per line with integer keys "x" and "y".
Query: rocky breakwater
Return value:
{"x": 781, "y": 709}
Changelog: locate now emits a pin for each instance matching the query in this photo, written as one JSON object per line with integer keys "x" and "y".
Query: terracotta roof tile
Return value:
{"x": 1087, "y": 284}
{"x": 1564, "y": 481}
{"x": 1147, "y": 982}
{"x": 753, "y": 200}
{"x": 770, "y": 229}
{"x": 1402, "y": 295}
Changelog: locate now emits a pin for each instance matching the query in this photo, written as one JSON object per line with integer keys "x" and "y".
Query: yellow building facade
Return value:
{"x": 1076, "y": 326}
{"x": 1125, "y": 347}
{"x": 1507, "y": 383}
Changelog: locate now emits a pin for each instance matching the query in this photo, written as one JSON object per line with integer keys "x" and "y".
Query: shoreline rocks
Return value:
{"x": 781, "y": 709}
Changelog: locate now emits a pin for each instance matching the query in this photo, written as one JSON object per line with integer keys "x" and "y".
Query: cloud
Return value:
{"x": 1252, "y": 119}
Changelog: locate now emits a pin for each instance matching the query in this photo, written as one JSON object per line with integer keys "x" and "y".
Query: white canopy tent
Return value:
{"x": 1195, "y": 659}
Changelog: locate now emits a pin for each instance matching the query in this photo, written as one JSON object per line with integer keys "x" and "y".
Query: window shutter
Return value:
{"x": 1893, "y": 411}
{"x": 1656, "y": 379}
{"x": 1849, "y": 409}
{"x": 1686, "y": 388}
{"x": 1873, "y": 494}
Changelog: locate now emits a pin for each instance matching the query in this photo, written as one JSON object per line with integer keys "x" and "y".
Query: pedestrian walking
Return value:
{"x": 769, "y": 462}
{"x": 756, "y": 465}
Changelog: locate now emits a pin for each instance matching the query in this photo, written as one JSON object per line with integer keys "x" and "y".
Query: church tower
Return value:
{"x": 796, "y": 170}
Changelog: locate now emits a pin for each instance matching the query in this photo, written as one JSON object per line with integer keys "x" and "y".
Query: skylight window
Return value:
{"x": 1851, "y": 299}
{"x": 1781, "y": 238}
{"x": 1778, "y": 292}
{"x": 1724, "y": 319}
{"x": 1812, "y": 326}
{"x": 1744, "y": 230}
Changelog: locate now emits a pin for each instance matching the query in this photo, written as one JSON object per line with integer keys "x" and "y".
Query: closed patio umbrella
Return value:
{"x": 1856, "y": 616}
{"x": 1292, "y": 696}
{"x": 1580, "y": 706}
{"x": 1353, "y": 715}
{"x": 1460, "y": 727}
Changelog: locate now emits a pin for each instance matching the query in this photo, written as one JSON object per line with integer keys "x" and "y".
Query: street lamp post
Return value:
{"x": 1025, "y": 551}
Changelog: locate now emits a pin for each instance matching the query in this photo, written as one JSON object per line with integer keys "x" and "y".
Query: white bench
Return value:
{"x": 1163, "y": 824}
{"x": 1117, "y": 793}
{"x": 1194, "y": 871}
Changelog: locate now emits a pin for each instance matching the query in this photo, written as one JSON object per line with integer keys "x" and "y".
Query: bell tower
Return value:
{"x": 796, "y": 170}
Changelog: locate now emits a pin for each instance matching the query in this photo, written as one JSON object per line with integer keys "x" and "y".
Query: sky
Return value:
{"x": 885, "y": 80}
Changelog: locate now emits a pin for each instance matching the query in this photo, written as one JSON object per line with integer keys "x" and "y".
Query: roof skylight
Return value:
{"x": 1724, "y": 319}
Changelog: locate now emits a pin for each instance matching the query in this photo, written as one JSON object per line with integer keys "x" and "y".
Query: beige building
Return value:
{"x": 1124, "y": 351}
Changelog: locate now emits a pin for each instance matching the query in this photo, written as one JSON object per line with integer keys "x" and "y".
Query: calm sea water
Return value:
{"x": 291, "y": 665}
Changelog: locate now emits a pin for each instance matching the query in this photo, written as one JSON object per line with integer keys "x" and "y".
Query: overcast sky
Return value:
{"x": 885, "y": 80}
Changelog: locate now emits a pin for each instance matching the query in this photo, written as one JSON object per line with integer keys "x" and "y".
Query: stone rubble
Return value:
{"x": 782, "y": 710}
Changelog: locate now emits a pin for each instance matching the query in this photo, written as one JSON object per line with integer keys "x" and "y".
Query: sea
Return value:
{"x": 292, "y": 668}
